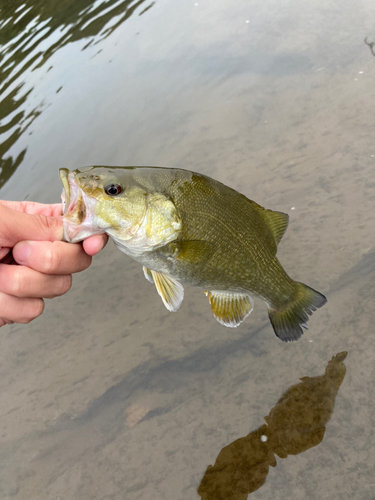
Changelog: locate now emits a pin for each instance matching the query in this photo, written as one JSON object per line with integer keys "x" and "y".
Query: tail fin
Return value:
{"x": 287, "y": 322}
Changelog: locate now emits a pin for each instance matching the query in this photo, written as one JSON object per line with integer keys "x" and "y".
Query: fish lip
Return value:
{"x": 71, "y": 193}
{"x": 66, "y": 193}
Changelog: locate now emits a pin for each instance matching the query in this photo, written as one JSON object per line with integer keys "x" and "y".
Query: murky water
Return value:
{"x": 108, "y": 395}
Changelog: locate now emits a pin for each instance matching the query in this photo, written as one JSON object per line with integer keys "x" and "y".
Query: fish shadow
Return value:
{"x": 296, "y": 423}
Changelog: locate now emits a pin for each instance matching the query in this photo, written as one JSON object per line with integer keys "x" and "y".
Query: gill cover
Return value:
{"x": 135, "y": 218}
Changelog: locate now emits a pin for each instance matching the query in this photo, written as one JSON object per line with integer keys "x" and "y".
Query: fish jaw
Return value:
{"x": 79, "y": 221}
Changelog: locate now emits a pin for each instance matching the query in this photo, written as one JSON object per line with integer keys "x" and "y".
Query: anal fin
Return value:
{"x": 230, "y": 309}
{"x": 169, "y": 289}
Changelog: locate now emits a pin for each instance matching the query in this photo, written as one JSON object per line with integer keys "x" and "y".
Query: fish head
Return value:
{"x": 111, "y": 200}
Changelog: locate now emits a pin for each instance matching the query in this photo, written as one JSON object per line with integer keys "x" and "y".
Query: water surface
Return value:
{"x": 108, "y": 395}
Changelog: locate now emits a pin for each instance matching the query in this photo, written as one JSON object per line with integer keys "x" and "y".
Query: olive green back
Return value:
{"x": 218, "y": 224}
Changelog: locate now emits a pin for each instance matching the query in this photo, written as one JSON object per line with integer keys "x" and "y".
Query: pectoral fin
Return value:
{"x": 193, "y": 251}
{"x": 148, "y": 274}
{"x": 230, "y": 309}
{"x": 170, "y": 290}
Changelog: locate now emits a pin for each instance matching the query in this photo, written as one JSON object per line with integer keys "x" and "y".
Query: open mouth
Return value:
{"x": 74, "y": 208}
{"x": 65, "y": 195}
{"x": 78, "y": 209}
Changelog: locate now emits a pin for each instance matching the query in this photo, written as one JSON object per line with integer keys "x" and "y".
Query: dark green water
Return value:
{"x": 109, "y": 396}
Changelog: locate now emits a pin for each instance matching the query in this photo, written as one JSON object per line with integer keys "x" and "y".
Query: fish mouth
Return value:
{"x": 78, "y": 209}
{"x": 65, "y": 195}
{"x": 74, "y": 207}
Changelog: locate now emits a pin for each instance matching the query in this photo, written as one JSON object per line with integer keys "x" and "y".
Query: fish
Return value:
{"x": 186, "y": 228}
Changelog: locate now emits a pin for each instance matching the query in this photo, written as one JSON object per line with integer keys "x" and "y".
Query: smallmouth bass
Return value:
{"x": 186, "y": 228}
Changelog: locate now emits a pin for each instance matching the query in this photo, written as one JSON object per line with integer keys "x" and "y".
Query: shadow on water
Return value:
{"x": 31, "y": 31}
{"x": 295, "y": 424}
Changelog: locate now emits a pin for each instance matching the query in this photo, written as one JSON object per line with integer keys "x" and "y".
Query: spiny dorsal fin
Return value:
{"x": 230, "y": 309}
{"x": 148, "y": 274}
{"x": 170, "y": 290}
{"x": 277, "y": 222}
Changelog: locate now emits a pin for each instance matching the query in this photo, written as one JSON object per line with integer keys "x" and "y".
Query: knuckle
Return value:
{"x": 81, "y": 260}
{"x": 33, "y": 309}
{"x": 52, "y": 260}
{"x": 86, "y": 261}
{"x": 40, "y": 222}
{"x": 68, "y": 283}
{"x": 38, "y": 308}
{"x": 46, "y": 223}
{"x": 62, "y": 285}
{"x": 16, "y": 282}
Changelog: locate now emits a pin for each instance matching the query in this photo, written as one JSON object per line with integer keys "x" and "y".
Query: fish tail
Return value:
{"x": 287, "y": 321}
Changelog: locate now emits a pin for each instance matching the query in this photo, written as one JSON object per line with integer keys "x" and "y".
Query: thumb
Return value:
{"x": 16, "y": 226}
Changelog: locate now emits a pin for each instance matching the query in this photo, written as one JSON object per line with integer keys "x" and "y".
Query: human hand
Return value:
{"x": 34, "y": 262}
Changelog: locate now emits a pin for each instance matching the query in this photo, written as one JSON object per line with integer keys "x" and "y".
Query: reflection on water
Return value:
{"x": 295, "y": 424}
{"x": 31, "y": 31}
{"x": 371, "y": 45}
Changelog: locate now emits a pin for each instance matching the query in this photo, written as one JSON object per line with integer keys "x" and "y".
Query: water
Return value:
{"x": 108, "y": 395}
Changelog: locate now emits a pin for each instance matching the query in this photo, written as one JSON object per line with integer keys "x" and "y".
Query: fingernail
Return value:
{"x": 23, "y": 253}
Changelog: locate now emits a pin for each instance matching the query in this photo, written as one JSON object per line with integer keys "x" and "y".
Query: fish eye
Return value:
{"x": 113, "y": 189}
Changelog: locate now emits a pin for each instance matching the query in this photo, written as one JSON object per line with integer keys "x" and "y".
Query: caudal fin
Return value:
{"x": 287, "y": 322}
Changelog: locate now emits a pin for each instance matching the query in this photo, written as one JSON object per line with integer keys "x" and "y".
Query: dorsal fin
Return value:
{"x": 169, "y": 289}
{"x": 230, "y": 309}
{"x": 276, "y": 221}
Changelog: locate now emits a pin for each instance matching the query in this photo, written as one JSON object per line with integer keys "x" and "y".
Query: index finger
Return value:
{"x": 34, "y": 208}
{"x": 17, "y": 225}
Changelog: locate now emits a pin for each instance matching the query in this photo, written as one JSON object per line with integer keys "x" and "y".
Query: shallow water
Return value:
{"x": 108, "y": 395}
